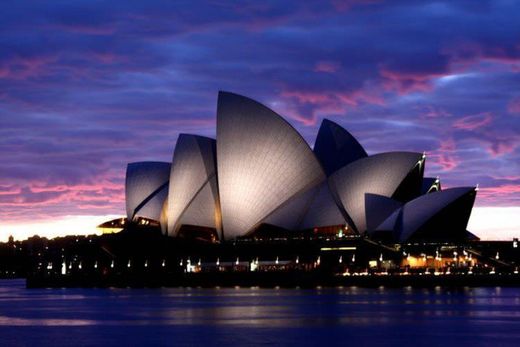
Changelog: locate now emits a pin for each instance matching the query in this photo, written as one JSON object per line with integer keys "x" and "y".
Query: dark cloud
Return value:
{"x": 87, "y": 86}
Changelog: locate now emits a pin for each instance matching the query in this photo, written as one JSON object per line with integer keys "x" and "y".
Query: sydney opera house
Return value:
{"x": 260, "y": 179}
{"x": 257, "y": 206}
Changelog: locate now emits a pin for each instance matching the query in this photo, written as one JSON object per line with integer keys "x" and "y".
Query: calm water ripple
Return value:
{"x": 252, "y": 316}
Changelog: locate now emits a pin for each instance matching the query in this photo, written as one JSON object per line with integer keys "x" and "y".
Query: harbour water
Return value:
{"x": 257, "y": 316}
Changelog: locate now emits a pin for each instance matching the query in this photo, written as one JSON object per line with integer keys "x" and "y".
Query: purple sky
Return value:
{"x": 88, "y": 86}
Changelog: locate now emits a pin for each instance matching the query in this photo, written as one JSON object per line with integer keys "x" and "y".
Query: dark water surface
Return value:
{"x": 252, "y": 316}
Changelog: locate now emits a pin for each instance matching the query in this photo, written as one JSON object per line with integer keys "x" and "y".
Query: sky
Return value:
{"x": 89, "y": 86}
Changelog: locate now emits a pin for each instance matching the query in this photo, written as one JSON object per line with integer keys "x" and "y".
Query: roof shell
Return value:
{"x": 203, "y": 208}
{"x": 335, "y": 147}
{"x": 193, "y": 167}
{"x": 380, "y": 174}
{"x": 146, "y": 187}
{"x": 323, "y": 210}
{"x": 418, "y": 212}
{"x": 378, "y": 208}
{"x": 262, "y": 162}
{"x": 313, "y": 208}
{"x": 290, "y": 214}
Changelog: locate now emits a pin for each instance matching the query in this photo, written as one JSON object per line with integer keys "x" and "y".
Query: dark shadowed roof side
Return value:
{"x": 335, "y": 147}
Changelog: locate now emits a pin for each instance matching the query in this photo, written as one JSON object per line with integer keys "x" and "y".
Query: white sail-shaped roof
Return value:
{"x": 380, "y": 174}
{"x": 262, "y": 162}
{"x": 193, "y": 167}
{"x": 146, "y": 188}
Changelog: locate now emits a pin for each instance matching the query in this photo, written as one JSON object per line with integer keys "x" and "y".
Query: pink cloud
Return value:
{"x": 444, "y": 156}
{"x": 473, "y": 122}
{"x": 327, "y": 66}
{"x": 9, "y": 190}
{"x": 307, "y": 97}
{"x": 430, "y": 111}
{"x": 102, "y": 185}
{"x": 333, "y": 98}
{"x": 107, "y": 57}
{"x": 344, "y": 5}
{"x": 499, "y": 147}
{"x": 20, "y": 68}
{"x": 499, "y": 193}
{"x": 404, "y": 82}
{"x": 462, "y": 56}
{"x": 467, "y": 53}
{"x": 28, "y": 200}
{"x": 85, "y": 29}
{"x": 498, "y": 142}
{"x": 324, "y": 103}
{"x": 74, "y": 196}
{"x": 507, "y": 177}
{"x": 288, "y": 110}
{"x": 514, "y": 106}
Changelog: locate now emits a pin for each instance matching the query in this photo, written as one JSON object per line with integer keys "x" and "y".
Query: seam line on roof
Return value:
{"x": 149, "y": 197}
{"x": 176, "y": 225}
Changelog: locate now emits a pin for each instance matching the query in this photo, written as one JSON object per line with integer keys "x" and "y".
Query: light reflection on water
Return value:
{"x": 238, "y": 316}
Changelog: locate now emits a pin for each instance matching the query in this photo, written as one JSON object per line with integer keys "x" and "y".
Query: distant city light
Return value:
{"x": 67, "y": 225}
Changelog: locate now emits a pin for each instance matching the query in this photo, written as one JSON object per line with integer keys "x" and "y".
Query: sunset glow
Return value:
{"x": 67, "y": 225}
{"x": 488, "y": 223}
